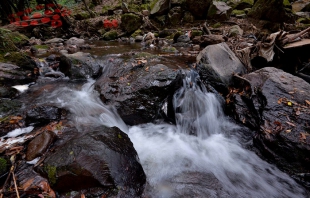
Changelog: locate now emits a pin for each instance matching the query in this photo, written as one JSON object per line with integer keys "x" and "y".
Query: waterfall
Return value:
{"x": 198, "y": 157}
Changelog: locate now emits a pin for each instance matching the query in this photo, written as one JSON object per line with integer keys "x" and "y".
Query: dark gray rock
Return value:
{"x": 219, "y": 10}
{"x": 277, "y": 101}
{"x": 80, "y": 65}
{"x": 198, "y": 8}
{"x": 13, "y": 75}
{"x": 103, "y": 158}
{"x": 40, "y": 115}
{"x": 160, "y": 7}
{"x": 217, "y": 64}
{"x": 137, "y": 92}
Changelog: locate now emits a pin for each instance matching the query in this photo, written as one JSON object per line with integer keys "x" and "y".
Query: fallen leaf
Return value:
{"x": 147, "y": 69}
{"x": 280, "y": 100}
{"x": 298, "y": 113}
{"x": 288, "y": 131}
{"x": 289, "y": 103}
{"x": 303, "y": 136}
{"x": 291, "y": 92}
{"x": 307, "y": 101}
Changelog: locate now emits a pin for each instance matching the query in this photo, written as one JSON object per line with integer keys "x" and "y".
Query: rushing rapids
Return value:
{"x": 201, "y": 156}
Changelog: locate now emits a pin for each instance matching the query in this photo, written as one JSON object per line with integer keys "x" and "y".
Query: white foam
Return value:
{"x": 19, "y": 131}
{"x": 21, "y": 88}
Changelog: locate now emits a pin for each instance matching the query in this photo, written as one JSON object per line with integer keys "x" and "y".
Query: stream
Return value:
{"x": 178, "y": 164}
{"x": 204, "y": 155}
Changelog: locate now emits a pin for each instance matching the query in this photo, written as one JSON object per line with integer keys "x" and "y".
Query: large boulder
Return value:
{"x": 278, "y": 106}
{"x": 103, "y": 159}
{"x": 198, "y": 8}
{"x": 11, "y": 41}
{"x": 137, "y": 89}
{"x": 79, "y": 65}
{"x": 271, "y": 10}
{"x": 130, "y": 22}
{"x": 217, "y": 64}
{"x": 159, "y": 7}
{"x": 219, "y": 10}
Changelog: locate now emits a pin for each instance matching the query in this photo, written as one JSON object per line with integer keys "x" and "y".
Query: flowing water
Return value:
{"x": 201, "y": 156}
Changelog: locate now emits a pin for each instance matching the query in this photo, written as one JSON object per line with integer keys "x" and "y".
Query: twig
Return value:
{"x": 15, "y": 185}
{"x": 291, "y": 37}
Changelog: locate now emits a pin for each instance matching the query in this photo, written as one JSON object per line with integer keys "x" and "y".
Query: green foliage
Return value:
{"x": 3, "y": 165}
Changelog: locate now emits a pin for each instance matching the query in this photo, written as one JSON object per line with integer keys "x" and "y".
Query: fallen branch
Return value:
{"x": 290, "y": 38}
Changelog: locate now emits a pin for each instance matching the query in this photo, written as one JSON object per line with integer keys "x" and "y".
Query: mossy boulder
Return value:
{"x": 20, "y": 59}
{"x": 243, "y": 4}
{"x": 188, "y": 17}
{"x": 137, "y": 33}
{"x": 270, "y": 10}
{"x": 11, "y": 41}
{"x": 102, "y": 158}
{"x": 8, "y": 106}
{"x": 111, "y": 35}
{"x": 130, "y": 22}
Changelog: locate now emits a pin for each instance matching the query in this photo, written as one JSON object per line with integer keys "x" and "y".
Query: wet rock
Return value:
{"x": 160, "y": 7}
{"x": 217, "y": 64}
{"x": 38, "y": 146}
{"x": 198, "y": 8}
{"x": 40, "y": 115}
{"x": 103, "y": 158}
{"x": 54, "y": 40}
{"x": 280, "y": 101}
{"x": 8, "y": 106}
{"x": 130, "y": 22}
{"x": 12, "y": 75}
{"x": 80, "y": 66}
{"x": 8, "y": 92}
{"x": 136, "y": 91}
{"x": 219, "y": 10}
{"x": 183, "y": 38}
{"x": 235, "y": 31}
{"x": 75, "y": 41}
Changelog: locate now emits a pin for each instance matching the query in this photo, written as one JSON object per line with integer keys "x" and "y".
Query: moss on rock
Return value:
{"x": 111, "y": 35}
{"x": 130, "y": 22}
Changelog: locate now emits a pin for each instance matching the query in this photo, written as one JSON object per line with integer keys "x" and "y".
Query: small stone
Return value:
{"x": 196, "y": 47}
{"x": 39, "y": 145}
{"x": 145, "y": 12}
{"x": 138, "y": 38}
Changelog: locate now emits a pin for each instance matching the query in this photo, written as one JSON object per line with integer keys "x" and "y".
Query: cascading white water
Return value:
{"x": 178, "y": 164}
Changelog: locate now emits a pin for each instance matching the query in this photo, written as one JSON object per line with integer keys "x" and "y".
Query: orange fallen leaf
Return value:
{"x": 307, "y": 101}
{"x": 303, "y": 136}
